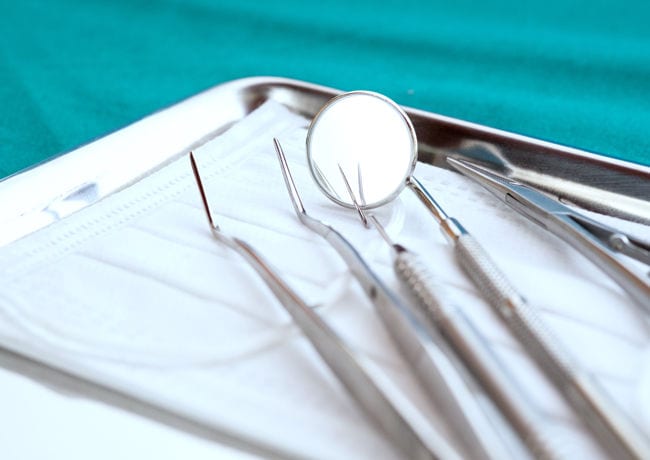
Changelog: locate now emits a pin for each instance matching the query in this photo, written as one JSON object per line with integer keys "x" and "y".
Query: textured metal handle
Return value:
{"x": 465, "y": 339}
{"x": 524, "y": 321}
{"x": 613, "y": 428}
{"x": 430, "y": 293}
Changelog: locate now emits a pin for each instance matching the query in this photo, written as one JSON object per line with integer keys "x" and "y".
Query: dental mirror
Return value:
{"x": 370, "y": 139}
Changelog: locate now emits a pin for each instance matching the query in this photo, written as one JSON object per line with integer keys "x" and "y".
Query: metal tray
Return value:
{"x": 50, "y": 191}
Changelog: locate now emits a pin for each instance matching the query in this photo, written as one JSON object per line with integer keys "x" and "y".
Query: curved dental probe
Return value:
{"x": 420, "y": 349}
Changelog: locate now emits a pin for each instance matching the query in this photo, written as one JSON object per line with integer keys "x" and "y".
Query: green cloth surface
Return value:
{"x": 574, "y": 72}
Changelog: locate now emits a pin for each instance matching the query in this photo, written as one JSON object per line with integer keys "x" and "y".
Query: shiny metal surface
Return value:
{"x": 344, "y": 363}
{"x": 361, "y": 131}
{"x": 611, "y": 427}
{"x": 595, "y": 182}
{"x": 596, "y": 241}
{"x": 435, "y": 311}
{"x": 438, "y": 312}
{"x": 418, "y": 347}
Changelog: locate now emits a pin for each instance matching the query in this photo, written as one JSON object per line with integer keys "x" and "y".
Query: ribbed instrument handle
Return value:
{"x": 614, "y": 429}
{"x": 543, "y": 441}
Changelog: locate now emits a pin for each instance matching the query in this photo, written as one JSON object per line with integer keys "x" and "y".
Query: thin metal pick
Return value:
{"x": 380, "y": 403}
{"x": 462, "y": 336}
{"x": 422, "y": 352}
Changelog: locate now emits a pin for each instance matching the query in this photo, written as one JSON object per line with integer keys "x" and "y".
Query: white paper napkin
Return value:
{"x": 134, "y": 292}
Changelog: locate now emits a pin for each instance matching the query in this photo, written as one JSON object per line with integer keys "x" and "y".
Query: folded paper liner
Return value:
{"x": 134, "y": 292}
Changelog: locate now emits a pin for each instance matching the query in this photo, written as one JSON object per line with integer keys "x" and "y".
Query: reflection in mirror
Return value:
{"x": 371, "y": 139}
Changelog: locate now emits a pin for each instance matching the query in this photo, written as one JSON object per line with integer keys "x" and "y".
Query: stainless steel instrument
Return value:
{"x": 598, "y": 242}
{"x": 415, "y": 439}
{"x": 419, "y": 348}
{"x": 337, "y": 141}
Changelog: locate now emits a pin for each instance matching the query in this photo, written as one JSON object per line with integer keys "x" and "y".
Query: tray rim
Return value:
{"x": 82, "y": 176}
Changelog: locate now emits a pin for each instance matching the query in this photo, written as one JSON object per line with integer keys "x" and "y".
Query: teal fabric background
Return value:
{"x": 576, "y": 73}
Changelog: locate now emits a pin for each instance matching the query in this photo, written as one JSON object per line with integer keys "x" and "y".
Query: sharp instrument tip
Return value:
{"x": 204, "y": 199}
{"x": 362, "y": 214}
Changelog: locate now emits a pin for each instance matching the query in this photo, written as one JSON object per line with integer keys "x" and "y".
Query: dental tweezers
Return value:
{"x": 437, "y": 311}
{"x": 385, "y": 408}
{"x": 612, "y": 427}
{"x": 424, "y": 354}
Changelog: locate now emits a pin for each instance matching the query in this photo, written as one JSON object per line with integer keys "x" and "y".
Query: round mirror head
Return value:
{"x": 370, "y": 139}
